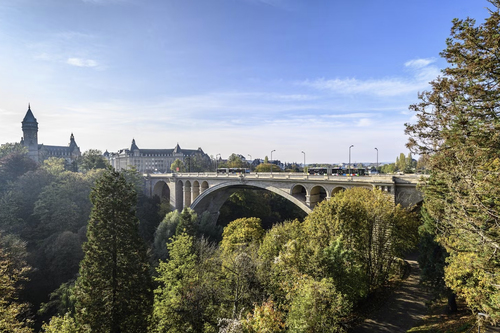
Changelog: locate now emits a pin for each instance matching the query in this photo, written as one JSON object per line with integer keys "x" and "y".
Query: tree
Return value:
{"x": 93, "y": 159}
{"x": 240, "y": 233}
{"x": 264, "y": 318}
{"x": 458, "y": 129}
{"x": 113, "y": 290}
{"x": 316, "y": 307}
{"x": 14, "y": 162}
{"x": 235, "y": 161}
{"x": 188, "y": 296}
{"x": 266, "y": 167}
{"x": 178, "y": 166}
{"x": 369, "y": 225}
{"x": 13, "y": 270}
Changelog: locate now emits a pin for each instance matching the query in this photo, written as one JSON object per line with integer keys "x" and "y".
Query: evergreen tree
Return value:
{"x": 458, "y": 129}
{"x": 114, "y": 288}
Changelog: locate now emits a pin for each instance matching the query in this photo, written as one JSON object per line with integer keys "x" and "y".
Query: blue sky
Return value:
{"x": 242, "y": 76}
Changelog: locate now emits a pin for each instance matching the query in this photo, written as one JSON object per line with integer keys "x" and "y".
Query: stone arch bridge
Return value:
{"x": 208, "y": 191}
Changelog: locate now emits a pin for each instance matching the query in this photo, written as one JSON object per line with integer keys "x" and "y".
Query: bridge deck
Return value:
{"x": 294, "y": 176}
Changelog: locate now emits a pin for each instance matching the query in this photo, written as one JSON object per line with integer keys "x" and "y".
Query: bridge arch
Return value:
{"x": 337, "y": 190}
{"x": 187, "y": 193}
{"x": 317, "y": 194}
{"x": 179, "y": 195}
{"x": 299, "y": 191}
{"x": 214, "y": 197}
{"x": 162, "y": 190}
{"x": 204, "y": 186}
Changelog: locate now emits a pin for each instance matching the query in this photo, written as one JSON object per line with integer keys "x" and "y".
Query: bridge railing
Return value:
{"x": 284, "y": 176}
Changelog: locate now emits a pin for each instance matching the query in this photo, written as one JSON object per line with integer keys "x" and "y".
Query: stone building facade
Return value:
{"x": 157, "y": 160}
{"x": 39, "y": 152}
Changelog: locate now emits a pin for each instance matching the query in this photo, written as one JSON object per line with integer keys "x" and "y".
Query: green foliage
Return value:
{"x": 241, "y": 233}
{"x": 432, "y": 255}
{"x": 92, "y": 159}
{"x": 65, "y": 324}
{"x": 11, "y": 148}
{"x": 345, "y": 270}
{"x": 178, "y": 166}
{"x": 266, "y": 167}
{"x": 113, "y": 290}
{"x": 235, "y": 161}
{"x": 264, "y": 319}
{"x": 62, "y": 300}
{"x": 54, "y": 165}
{"x": 13, "y": 270}
{"x": 373, "y": 230}
{"x": 14, "y": 162}
{"x": 271, "y": 208}
{"x": 166, "y": 229}
{"x": 187, "y": 222}
{"x": 316, "y": 307}
{"x": 188, "y": 295}
{"x": 458, "y": 129}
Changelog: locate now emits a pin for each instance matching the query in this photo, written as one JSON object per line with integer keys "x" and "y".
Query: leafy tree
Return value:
{"x": 187, "y": 222}
{"x": 401, "y": 162}
{"x": 64, "y": 324}
{"x": 10, "y": 148}
{"x": 113, "y": 290}
{"x": 264, "y": 318}
{"x": 458, "y": 129}
{"x": 14, "y": 162}
{"x": 54, "y": 165}
{"x": 188, "y": 295}
{"x": 369, "y": 225}
{"x": 166, "y": 229}
{"x": 316, "y": 307}
{"x": 92, "y": 159}
{"x": 178, "y": 166}
{"x": 235, "y": 161}
{"x": 240, "y": 233}
{"x": 266, "y": 167}
{"x": 13, "y": 270}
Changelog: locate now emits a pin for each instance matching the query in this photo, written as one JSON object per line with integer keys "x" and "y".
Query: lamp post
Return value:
{"x": 304, "y": 161}
{"x": 377, "y": 159}
{"x": 271, "y": 161}
{"x": 250, "y": 164}
{"x": 216, "y": 162}
{"x": 349, "y": 170}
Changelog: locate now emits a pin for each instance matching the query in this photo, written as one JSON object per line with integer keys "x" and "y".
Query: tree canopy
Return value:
{"x": 458, "y": 130}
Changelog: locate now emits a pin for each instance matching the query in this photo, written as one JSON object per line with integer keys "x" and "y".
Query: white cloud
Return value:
{"x": 419, "y": 63}
{"x": 364, "y": 122}
{"x": 380, "y": 87}
{"x": 422, "y": 73}
{"x": 79, "y": 62}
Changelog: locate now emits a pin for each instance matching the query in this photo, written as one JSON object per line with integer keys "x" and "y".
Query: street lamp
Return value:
{"x": 216, "y": 162}
{"x": 250, "y": 164}
{"x": 304, "y": 161}
{"x": 377, "y": 159}
{"x": 349, "y": 170}
{"x": 271, "y": 161}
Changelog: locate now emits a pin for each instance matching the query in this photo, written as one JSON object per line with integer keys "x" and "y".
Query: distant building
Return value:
{"x": 39, "y": 152}
{"x": 156, "y": 160}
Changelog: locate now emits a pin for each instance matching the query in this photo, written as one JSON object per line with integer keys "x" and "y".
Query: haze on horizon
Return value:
{"x": 242, "y": 76}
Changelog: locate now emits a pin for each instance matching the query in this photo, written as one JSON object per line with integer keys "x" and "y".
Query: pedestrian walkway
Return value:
{"x": 403, "y": 309}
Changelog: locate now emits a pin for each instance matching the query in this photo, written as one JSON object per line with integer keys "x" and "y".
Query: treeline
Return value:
{"x": 44, "y": 212}
{"x": 112, "y": 264}
{"x": 458, "y": 133}
{"x": 296, "y": 277}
